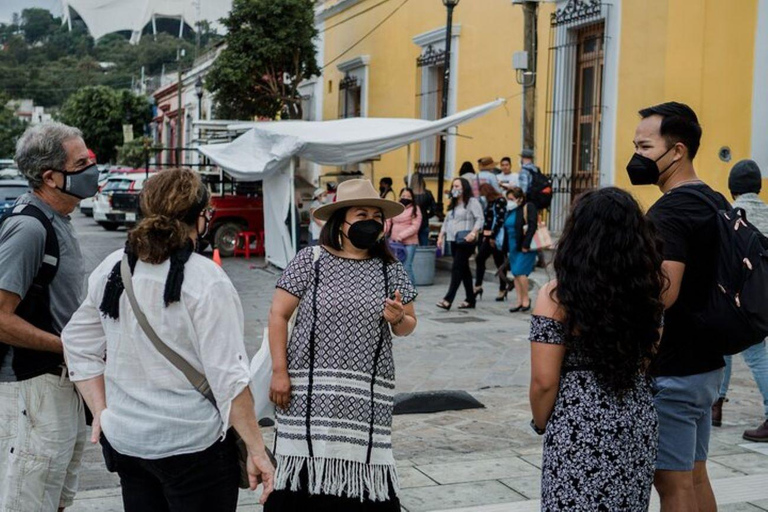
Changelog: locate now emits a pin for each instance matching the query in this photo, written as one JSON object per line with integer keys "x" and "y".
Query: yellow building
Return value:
{"x": 597, "y": 63}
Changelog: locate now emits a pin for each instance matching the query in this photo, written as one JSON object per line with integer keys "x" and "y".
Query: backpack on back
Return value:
{"x": 736, "y": 311}
{"x": 540, "y": 189}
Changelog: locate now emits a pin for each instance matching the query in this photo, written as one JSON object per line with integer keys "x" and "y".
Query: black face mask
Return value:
{"x": 644, "y": 171}
{"x": 406, "y": 202}
{"x": 364, "y": 234}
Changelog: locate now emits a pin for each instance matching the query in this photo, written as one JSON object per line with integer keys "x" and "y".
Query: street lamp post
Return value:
{"x": 449, "y": 4}
{"x": 199, "y": 92}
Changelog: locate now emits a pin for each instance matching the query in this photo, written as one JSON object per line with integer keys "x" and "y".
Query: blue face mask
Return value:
{"x": 81, "y": 184}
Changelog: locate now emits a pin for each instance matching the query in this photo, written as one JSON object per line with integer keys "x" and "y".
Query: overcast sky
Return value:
{"x": 8, "y": 7}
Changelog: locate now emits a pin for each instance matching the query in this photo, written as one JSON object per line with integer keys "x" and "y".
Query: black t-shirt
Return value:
{"x": 688, "y": 228}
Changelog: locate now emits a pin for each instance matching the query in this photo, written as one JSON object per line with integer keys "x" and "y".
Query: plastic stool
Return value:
{"x": 246, "y": 238}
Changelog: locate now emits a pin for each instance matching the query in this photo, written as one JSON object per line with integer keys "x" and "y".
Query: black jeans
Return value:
{"x": 460, "y": 272}
{"x": 483, "y": 253}
{"x": 195, "y": 482}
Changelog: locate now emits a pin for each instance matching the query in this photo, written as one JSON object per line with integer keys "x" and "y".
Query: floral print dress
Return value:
{"x": 599, "y": 448}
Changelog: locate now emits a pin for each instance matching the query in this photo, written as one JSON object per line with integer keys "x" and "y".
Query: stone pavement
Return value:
{"x": 484, "y": 459}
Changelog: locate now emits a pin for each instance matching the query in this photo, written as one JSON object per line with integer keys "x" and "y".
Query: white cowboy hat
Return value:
{"x": 358, "y": 193}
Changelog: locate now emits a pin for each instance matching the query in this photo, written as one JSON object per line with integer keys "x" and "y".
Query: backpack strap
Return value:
{"x": 696, "y": 193}
{"x": 50, "y": 265}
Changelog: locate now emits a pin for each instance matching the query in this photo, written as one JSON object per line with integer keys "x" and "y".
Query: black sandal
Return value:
{"x": 444, "y": 304}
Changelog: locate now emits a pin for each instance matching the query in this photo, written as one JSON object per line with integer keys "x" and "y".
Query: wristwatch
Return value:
{"x": 539, "y": 431}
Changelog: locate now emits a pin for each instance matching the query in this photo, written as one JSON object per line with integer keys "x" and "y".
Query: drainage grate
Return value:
{"x": 462, "y": 320}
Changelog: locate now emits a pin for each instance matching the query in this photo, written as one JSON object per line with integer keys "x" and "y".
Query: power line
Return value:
{"x": 366, "y": 35}
{"x": 354, "y": 16}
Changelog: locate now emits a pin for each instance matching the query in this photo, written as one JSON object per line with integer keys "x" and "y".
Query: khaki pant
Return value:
{"x": 42, "y": 436}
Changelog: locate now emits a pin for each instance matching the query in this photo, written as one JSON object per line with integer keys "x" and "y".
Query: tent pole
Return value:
{"x": 409, "y": 171}
{"x": 294, "y": 241}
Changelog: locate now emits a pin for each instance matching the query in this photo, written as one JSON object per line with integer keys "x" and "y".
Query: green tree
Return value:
{"x": 38, "y": 24}
{"x": 100, "y": 113}
{"x": 270, "y": 51}
{"x": 11, "y": 128}
{"x": 134, "y": 154}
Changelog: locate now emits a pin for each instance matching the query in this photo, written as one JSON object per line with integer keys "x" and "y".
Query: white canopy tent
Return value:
{"x": 267, "y": 152}
{"x": 103, "y": 17}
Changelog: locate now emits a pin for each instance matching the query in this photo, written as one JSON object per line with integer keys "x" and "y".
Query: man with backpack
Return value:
{"x": 42, "y": 277}
{"x": 536, "y": 186}
{"x": 688, "y": 365}
{"x": 744, "y": 183}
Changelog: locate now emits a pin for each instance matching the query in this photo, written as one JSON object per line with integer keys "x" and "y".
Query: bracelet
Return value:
{"x": 402, "y": 318}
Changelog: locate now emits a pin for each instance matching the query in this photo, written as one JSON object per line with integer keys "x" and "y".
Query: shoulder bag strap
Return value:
{"x": 197, "y": 379}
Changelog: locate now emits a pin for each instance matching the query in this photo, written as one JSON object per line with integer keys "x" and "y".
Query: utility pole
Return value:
{"x": 179, "y": 121}
{"x": 530, "y": 44}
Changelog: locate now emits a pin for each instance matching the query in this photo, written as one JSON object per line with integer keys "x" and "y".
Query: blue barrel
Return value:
{"x": 424, "y": 265}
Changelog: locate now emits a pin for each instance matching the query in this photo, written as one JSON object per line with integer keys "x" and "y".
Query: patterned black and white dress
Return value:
{"x": 334, "y": 439}
{"x": 599, "y": 449}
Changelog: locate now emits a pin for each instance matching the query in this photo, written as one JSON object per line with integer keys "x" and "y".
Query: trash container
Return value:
{"x": 424, "y": 265}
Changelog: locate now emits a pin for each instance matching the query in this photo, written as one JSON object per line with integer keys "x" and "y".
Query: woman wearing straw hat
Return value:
{"x": 333, "y": 380}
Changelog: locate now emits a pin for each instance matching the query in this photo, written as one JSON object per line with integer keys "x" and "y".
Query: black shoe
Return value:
{"x": 759, "y": 435}
{"x": 444, "y": 305}
{"x": 478, "y": 291}
{"x": 515, "y": 310}
{"x": 526, "y": 308}
{"x": 467, "y": 305}
{"x": 502, "y": 296}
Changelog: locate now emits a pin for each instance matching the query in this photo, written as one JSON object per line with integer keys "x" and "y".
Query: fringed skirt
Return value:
{"x": 326, "y": 485}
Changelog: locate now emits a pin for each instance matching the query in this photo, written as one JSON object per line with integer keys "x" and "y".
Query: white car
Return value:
{"x": 116, "y": 204}
{"x": 86, "y": 205}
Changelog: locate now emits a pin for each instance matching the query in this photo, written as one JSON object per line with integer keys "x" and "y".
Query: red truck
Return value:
{"x": 237, "y": 206}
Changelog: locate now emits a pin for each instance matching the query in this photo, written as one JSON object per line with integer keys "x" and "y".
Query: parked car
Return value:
{"x": 10, "y": 190}
{"x": 117, "y": 203}
{"x": 237, "y": 206}
{"x": 86, "y": 205}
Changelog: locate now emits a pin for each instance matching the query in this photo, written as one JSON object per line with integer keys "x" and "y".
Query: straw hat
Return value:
{"x": 358, "y": 193}
{"x": 486, "y": 163}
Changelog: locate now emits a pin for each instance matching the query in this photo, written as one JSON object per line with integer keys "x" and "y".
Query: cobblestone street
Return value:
{"x": 483, "y": 459}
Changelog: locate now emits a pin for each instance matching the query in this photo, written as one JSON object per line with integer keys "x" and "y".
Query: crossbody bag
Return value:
{"x": 197, "y": 379}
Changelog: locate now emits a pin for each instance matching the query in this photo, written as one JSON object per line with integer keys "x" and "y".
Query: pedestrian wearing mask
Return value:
{"x": 170, "y": 443}
{"x": 385, "y": 189}
{"x": 593, "y": 334}
{"x": 334, "y": 376}
{"x": 745, "y": 182}
{"x": 42, "y": 427}
{"x": 495, "y": 213}
{"x": 461, "y": 228}
{"x": 688, "y": 367}
{"x": 404, "y": 229}
{"x": 520, "y": 225}
{"x": 426, "y": 203}
{"x": 316, "y": 225}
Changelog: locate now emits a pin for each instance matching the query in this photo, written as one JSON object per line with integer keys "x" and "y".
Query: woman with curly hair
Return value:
{"x": 594, "y": 331}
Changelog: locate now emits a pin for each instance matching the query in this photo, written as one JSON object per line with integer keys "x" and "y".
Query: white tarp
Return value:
{"x": 266, "y": 150}
{"x": 103, "y": 17}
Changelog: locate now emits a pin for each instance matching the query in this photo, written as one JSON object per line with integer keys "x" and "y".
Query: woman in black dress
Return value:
{"x": 593, "y": 333}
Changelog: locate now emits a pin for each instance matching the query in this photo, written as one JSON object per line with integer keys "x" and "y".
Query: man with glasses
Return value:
{"x": 42, "y": 277}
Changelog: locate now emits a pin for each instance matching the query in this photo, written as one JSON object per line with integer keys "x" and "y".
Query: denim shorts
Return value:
{"x": 684, "y": 406}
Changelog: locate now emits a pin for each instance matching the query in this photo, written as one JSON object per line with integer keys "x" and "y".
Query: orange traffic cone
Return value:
{"x": 216, "y": 256}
